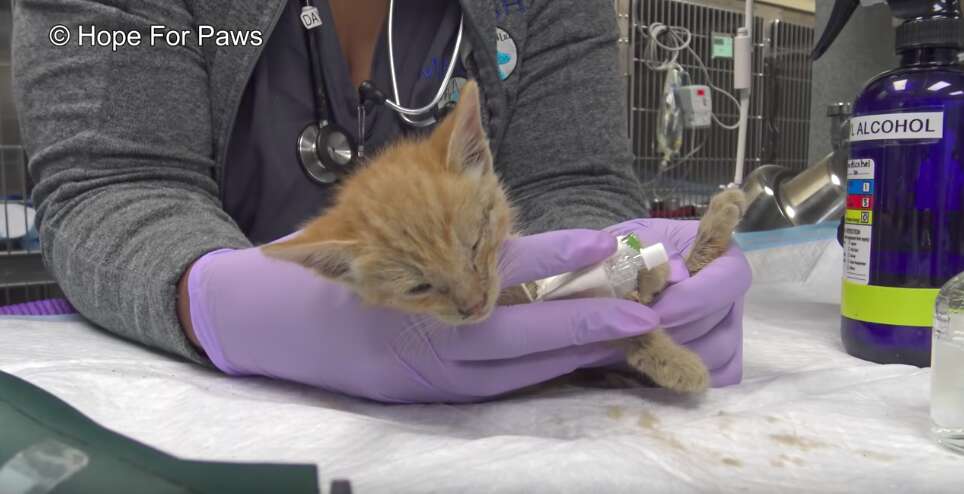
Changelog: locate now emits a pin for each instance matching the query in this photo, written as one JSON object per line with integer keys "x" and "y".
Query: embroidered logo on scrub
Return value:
{"x": 507, "y": 54}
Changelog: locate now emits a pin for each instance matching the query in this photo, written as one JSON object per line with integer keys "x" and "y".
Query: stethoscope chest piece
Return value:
{"x": 326, "y": 152}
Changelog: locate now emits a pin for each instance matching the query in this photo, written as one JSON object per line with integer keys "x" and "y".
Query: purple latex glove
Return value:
{"x": 703, "y": 312}
{"x": 259, "y": 316}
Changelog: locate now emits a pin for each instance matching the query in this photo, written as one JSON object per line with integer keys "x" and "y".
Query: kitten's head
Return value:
{"x": 420, "y": 227}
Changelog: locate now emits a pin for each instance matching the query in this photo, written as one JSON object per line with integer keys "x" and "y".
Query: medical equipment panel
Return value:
{"x": 696, "y": 103}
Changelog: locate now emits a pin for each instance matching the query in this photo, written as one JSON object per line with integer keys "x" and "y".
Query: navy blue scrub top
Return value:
{"x": 265, "y": 189}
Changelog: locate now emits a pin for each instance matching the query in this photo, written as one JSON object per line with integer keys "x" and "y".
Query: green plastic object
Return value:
{"x": 47, "y": 446}
{"x": 633, "y": 242}
{"x": 722, "y": 46}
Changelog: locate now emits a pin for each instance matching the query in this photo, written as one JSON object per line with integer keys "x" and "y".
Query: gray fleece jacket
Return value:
{"x": 125, "y": 146}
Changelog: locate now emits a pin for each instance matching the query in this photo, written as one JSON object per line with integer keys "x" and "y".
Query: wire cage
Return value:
{"x": 778, "y": 127}
{"x": 779, "y": 118}
{"x": 22, "y": 275}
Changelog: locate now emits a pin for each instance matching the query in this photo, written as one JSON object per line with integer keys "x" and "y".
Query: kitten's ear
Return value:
{"x": 330, "y": 258}
{"x": 468, "y": 147}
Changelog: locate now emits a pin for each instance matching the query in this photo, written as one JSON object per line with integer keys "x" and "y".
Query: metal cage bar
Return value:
{"x": 22, "y": 274}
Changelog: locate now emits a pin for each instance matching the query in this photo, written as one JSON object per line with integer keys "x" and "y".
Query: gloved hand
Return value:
{"x": 703, "y": 312}
{"x": 259, "y": 316}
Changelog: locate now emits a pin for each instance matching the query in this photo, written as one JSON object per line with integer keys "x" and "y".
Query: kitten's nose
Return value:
{"x": 474, "y": 310}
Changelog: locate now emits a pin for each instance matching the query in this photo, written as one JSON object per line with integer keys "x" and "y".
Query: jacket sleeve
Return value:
{"x": 565, "y": 157}
{"x": 120, "y": 149}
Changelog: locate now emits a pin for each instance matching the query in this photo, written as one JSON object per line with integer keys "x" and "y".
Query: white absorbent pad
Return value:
{"x": 807, "y": 418}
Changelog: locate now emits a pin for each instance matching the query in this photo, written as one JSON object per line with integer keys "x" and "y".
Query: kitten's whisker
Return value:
{"x": 508, "y": 267}
{"x": 425, "y": 324}
{"x": 410, "y": 342}
{"x": 511, "y": 273}
{"x": 414, "y": 340}
{"x": 504, "y": 263}
{"x": 420, "y": 328}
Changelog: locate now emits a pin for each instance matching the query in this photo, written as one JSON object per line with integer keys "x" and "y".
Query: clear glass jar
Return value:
{"x": 947, "y": 366}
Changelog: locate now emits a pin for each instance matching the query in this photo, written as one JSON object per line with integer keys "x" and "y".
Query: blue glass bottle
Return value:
{"x": 904, "y": 228}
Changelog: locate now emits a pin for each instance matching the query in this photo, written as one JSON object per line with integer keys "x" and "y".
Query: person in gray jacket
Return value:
{"x": 163, "y": 138}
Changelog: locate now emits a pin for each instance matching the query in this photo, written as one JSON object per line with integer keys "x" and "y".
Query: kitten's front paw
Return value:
{"x": 669, "y": 365}
{"x": 727, "y": 208}
{"x": 683, "y": 372}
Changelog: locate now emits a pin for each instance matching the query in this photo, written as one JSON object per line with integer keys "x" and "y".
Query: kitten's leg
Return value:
{"x": 668, "y": 364}
{"x": 716, "y": 228}
{"x": 655, "y": 354}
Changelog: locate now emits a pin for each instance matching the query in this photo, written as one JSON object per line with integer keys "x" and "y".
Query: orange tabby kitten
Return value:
{"x": 419, "y": 228}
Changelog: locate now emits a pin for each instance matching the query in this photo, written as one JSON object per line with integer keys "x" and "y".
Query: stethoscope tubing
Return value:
{"x": 325, "y": 149}
{"x": 314, "y": 51}
{"x": 321, "y": 106}
{"x": 402, "y": 111}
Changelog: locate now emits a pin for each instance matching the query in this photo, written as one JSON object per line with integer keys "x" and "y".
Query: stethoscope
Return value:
{"x": 325, "y": 149}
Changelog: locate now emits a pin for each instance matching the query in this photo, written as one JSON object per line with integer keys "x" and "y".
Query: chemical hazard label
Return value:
{"x": 860, "y": 202}
{"x": 860, "y": 169}
{"x": 856, "y": 253}
{"x": 860, "y": 186}
{"x": 858, "y": 220}
{"x": 857, "y": 217}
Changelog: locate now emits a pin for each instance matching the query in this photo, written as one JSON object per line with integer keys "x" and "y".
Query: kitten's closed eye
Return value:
{"x": 487, "y": 213}
{"x": 420, "y": 289}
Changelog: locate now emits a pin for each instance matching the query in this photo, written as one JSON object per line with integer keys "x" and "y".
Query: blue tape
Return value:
{"x": 31, "y": 239}
{"x": 770, "y": 239}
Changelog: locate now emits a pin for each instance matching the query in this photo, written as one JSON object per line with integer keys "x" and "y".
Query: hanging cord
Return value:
{"x": 681, "y": 41}
{"x": 680, "y": 36}
{"x": 675, "y": 163}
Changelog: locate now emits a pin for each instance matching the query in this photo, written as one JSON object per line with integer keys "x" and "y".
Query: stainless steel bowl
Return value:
{"x": 778, "y": 199}
{"x": 817, "y": 194}
{"x": 763, "y": 209}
